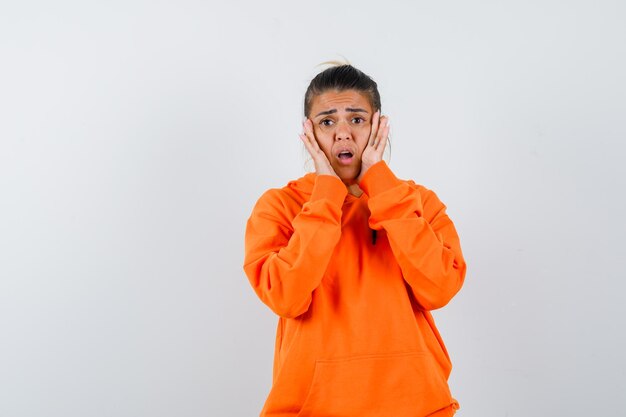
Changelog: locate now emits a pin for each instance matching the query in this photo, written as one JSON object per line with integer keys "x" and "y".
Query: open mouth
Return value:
{"x": 345, "y": 155}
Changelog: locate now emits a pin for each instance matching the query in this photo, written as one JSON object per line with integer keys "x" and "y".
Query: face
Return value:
{"x": 342, "y": 121}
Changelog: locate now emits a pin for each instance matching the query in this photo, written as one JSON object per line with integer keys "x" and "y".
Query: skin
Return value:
{"x": 345, "y": 121}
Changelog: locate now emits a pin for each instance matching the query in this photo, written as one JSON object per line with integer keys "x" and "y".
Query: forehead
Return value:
{"x": 339, "y": 100}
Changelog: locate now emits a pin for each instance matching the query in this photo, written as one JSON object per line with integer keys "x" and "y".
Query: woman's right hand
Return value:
{"x": 322, "y": 164}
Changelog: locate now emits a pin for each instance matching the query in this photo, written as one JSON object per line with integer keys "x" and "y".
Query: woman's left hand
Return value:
{"x": 373, "y": 152}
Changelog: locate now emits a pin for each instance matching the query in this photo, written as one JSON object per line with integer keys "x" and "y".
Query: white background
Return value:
{"x": 136, "y": 136}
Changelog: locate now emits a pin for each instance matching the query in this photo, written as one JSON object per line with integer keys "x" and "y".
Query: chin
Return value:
{"x": 348, "y": 174}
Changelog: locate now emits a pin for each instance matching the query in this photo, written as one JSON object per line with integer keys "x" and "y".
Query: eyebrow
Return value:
{"x": 357, "y": 110}
{"x": 348, "y": 109}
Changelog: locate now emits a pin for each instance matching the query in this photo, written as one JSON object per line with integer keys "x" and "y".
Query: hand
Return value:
{"x": 322, "y": 165}
{"x": 373, "y": 152}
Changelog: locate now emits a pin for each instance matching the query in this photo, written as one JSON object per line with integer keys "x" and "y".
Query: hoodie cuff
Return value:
{"x": 378, "y": 179}
{"x": 330, "y": 188}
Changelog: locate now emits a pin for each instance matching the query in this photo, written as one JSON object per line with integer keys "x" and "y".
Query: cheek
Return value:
{"x": 324, "y": 140}
{"x": 362, "y": 139}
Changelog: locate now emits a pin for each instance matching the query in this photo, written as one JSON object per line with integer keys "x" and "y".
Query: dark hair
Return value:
{"x": 341, "y": 78}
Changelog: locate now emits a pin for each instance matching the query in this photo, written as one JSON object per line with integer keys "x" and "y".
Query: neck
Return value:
{"x": 354, "y": 189}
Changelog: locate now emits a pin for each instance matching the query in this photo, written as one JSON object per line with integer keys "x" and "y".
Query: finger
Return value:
{"x": 306, "y": 138}
{"x": 318, "y": 156}
{"x": 384, "y": 139}
{"x": 307, "y": 144}
{"x": 308, "y": 131}
{"x": 384, "y": 121}
{"x": 375, "y": 127}
{"x": 374, "y": 131}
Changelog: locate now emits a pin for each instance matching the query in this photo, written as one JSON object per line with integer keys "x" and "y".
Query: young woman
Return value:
{"x": 352, "y": 259}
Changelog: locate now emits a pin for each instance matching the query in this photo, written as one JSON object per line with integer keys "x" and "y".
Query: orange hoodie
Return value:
{"x": 353, "y": 280}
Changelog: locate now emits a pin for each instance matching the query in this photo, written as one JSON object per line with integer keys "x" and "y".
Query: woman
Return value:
{"x": 352, "y": 260}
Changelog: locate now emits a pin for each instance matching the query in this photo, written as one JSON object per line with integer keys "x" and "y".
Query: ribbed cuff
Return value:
{"x": 330, "y": 188}
{"x": 378, "y": 179}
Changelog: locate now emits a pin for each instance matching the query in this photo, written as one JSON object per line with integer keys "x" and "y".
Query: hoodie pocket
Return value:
{"x": 408, "y": 384}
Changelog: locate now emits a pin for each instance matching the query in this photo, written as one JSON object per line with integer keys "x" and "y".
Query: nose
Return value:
{"x": 343, "y": 131}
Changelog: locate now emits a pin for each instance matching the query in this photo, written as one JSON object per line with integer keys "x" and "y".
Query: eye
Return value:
{"x": 326, "y": 122}
{"x": 358, "y": 120}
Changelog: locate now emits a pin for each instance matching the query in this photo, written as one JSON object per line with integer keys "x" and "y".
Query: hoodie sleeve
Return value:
{"x": 286, "y": 260}
{"x": 422, "y": 237}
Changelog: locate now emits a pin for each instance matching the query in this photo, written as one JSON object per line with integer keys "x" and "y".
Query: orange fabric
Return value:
{"x": 355, "y": 336}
